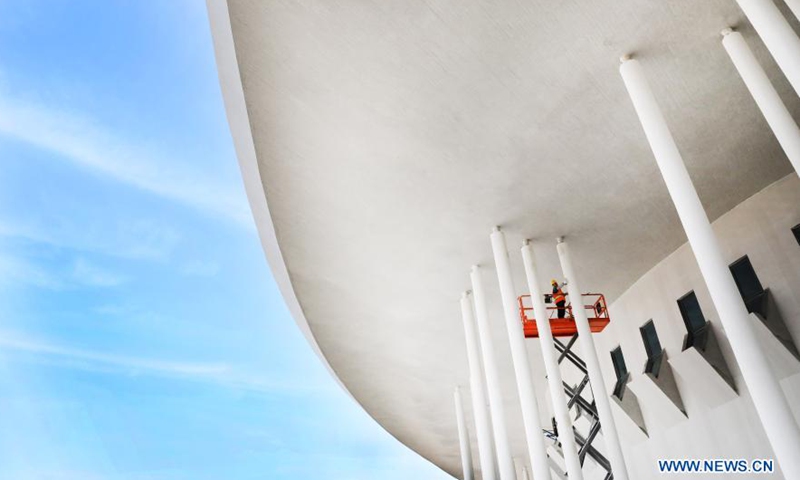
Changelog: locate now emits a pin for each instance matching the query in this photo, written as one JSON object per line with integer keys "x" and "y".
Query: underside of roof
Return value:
{"x": 392, "y": 136}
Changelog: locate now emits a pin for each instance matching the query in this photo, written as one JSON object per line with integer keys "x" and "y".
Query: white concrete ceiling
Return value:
{"x": 392, "y": 135}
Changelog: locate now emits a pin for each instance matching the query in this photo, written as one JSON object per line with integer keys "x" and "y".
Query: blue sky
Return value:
{"x": 141, "y": 333}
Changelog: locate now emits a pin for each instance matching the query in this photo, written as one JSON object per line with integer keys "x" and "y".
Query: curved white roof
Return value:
{"x": 391, "y": 136}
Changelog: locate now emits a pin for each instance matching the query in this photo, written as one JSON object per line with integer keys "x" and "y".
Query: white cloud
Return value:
{"x": 200, "y": 268}
{"x": 15, "y": 341}
{"x": 18, "y": 271}
{"x": 84, "y": 273}
{"x": 35, "y": 472}
{"x": 88, "y": 145}
{"x": 216, "y": 373}
{"x": 138, "y": 239}
{"x": 113, "y": 309}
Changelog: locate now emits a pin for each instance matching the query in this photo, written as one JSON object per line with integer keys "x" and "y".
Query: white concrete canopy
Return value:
{"x": 391, "y": 136}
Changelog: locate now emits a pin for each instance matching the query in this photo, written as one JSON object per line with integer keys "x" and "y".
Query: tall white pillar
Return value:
{"x": 770, "y": 403}
{"x": 607, "y": 426}
{"x": 483, "y": 427}
{"x": 463, "y": 438}
{"x": 554, "y": 380}
{"x": 794, "y": 6}
{"x": 522, "y": 369}
{"x": 765, "y": 95}
{"x": 505, "y": 462}
{"x": 778, "y": 36}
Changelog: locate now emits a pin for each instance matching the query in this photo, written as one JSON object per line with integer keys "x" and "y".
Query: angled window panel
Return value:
{"x": 652, "y": 347}
{"x": 621, "y": 371}
{"x": 694, "y": 320}
{"x": 746, "y": 279}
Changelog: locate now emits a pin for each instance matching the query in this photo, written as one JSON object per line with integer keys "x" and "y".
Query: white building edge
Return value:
{"x": 381, "y": 142}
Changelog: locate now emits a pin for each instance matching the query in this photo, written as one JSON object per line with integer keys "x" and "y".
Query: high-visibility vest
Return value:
{"x": 558, "y": 296}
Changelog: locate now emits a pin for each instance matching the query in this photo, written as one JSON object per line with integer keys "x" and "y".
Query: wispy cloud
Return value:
{"x": 139, "y": 239}
{"x": 216, "y": 373}
{"x": 91, "y": 275}
{"x": 18, "y": 271}
{"x": 79, "y": 139}
{"x": 115, "y": 309}
{"x": 36, "y": 472}
{"x": 198, "y": 268}
{"x": 15, "y": 341}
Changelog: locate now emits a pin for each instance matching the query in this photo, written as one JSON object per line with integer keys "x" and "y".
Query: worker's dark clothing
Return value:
{"x": 562, "y": 309}
{"x": 560, "y": 300}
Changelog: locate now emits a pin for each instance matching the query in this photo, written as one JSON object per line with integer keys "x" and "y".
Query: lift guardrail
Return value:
{"x": 594, "y": 304}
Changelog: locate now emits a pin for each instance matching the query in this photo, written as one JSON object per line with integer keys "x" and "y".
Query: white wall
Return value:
{"x": 759, "y": 227}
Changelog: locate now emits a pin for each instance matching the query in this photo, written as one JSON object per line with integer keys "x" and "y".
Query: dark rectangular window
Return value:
{"x": 621, "y": 370}
{"x": 692, "y": 314}
{"x": 619, "y": 363}
{"x": 694, "y": 320}
{"x": 796, "y": 231}
{"x": 746, "y": 279}
{"x": 650, "y": 338}
{"x": 652, "y": 346}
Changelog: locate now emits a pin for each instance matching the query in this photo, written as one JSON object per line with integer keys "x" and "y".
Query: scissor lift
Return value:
{"x": 594, "y": 304}
{"x": 597, "y": 313}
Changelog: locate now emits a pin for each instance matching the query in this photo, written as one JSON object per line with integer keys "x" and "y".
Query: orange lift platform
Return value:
{"x": 594, "y": 304}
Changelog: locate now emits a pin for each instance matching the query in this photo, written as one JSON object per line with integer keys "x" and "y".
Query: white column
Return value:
{"x": 483, "y": 427}
{"x": 522, "y": 369}
{"x": 554, "y": 380}
{"x": 778, "y": 36}
{"x": 463, "y": 438}
{"x": 585, "y": 338}
{"x": 770, "y": 403}
{"x": 505, "y": 462}
{"x": 765, "y": 95}
{"x": 794, "y": 6}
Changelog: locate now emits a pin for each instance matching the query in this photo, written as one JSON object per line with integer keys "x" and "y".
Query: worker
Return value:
{"x": 559, "y": 297}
